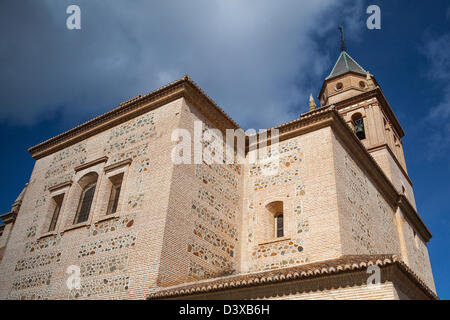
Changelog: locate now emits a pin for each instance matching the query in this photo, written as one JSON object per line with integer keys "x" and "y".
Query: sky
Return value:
{"x": 258, "y": 60}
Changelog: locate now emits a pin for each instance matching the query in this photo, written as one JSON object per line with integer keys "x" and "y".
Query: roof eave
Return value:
{"x": 125, "y": 111}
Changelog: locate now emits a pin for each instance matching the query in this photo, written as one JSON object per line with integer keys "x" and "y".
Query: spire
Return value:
{"x": 312, "y": 103}
{"x": 341, "y": 29}
{"x": 345, "y": 64}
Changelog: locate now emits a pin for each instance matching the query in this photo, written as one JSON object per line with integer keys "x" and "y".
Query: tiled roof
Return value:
{"x": 344, "y": 64}
{"x": 343, "y": 264}
{"x": 128, "y": 106}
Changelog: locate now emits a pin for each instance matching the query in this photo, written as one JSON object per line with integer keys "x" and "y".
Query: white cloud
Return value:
{"x": 436, "y": 50}
{"x": 257, "y": 59}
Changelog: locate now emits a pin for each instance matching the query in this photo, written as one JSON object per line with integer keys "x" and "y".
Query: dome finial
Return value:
{"x": 341, "y": 29}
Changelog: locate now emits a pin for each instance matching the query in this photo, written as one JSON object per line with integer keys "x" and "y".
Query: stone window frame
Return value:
{"x": 58, "y": 190}
{"x": 122, "y": 167}
{"x": 96, "y": 166}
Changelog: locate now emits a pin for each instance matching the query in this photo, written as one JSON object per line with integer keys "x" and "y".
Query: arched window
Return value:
{"x": 274, "y": 218}
{"x": 358, "y": 124}
{"x": 88, "y": 184}
{"x": 279, "y": 223}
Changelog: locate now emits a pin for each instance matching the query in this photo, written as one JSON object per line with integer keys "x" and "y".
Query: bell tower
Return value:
{"x": 358, "y": 97}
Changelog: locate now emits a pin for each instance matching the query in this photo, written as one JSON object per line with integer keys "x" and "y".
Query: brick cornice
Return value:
{"x": 413, "y": 217}
{"x": 127, "y": 110}
{"x": 385, "y": 106}
{"x": 388, "y": 148}
{"x": 8, "y": 217}
{"x": 343, "y": 265}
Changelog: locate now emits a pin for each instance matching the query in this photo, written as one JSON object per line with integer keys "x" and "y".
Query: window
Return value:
{"x": 273, "y": 221}
{"x": 116, "y": 184}
{"x": 56, "y": 211}
{"x": 85, "y": 190}
{"x": 84, "y": 206}
{"x": 279, "y": 225}
{"x": 358, "y": 124}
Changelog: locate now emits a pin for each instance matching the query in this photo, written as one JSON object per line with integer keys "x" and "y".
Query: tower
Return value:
{"x": 359, "y": 98}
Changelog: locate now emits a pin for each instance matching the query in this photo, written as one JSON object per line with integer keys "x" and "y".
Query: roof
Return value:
{"x": 124, "y": 111}
{"x": 346, "y": 263}
{"x": 345, "y": 64}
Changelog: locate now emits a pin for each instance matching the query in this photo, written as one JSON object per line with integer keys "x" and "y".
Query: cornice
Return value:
{"x": 393, "y": 156}
{"x": 413, "y": 217}
{"x": 374, "y": 93}
{"x": 343, "y": 265}
{"x": 90, "y": 163}
{"x": 60, "y": 186}
{"x": 127, "y": 110}
{"x": 8, "y": 217}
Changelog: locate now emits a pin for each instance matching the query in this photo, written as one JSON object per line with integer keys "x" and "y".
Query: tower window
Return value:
{"x": 58, "y": 204}
{"x": 358, "y": 124}
{"x": 279, "y": 222}
{"x": 116, "y": 185}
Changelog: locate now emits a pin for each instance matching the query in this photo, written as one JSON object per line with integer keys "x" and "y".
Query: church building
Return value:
{"x": 107, "y": 214}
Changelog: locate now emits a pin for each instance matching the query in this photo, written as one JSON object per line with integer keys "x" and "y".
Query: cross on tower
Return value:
{"x": 341, "y": 29}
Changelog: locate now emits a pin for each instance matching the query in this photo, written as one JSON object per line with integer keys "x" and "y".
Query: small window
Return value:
{"x": 358, "y": 123}
{"x": 116, "y": 185}
{"x": 279, "y": 225}
{"x": 362, "y": 84}
{"x": 84, "y": 207}
{"x": 58, "y": 204}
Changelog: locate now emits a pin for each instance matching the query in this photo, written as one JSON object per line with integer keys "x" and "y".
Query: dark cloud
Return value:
{"x": 257, "y": 59}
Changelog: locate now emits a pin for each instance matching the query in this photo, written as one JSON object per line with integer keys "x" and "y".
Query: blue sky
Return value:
{"x": 258, "y": 60}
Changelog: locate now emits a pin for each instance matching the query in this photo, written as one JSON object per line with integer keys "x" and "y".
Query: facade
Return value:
{"x": 106, "y": 204}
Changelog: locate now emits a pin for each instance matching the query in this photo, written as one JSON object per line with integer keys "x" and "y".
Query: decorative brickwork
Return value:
{"x": 39, "y": 260}
{"x": 209, "y": 256}
{"x": 358, "y": 195}
{"x": 32, "y": 280}
{"x": 104, "y": 265}
{"x": 209, "y": 216}
{"x": 105, "y": 245}
{"x": 37, "y": 245}
{"x": 112, "y": 225}
{"x": 36, "y": 294}
{"x": 98, "y": 287}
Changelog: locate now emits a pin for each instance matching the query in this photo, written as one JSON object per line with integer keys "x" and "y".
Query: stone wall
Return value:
{"x": 367, "y": 221}
{"x": 301, "y": 177}
{"x": 202, "y": 233}
{"x": 118, "y": 255}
